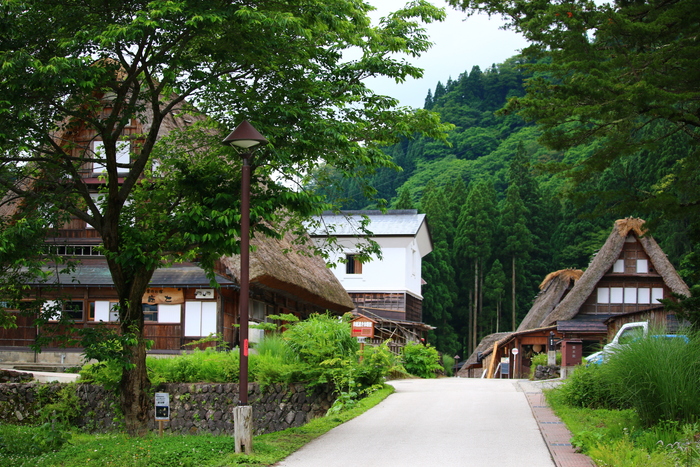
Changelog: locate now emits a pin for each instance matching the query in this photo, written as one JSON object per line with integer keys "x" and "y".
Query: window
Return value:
{"x": 150, "y": 312}
{"x": 353, "y": 265}
{"x": 200, "y": 319}
{"x": 630, "y": 295}
{"x": 616, "y": 295}
{"x": 644, "y": 296}
{"x": 103, "y": 311}
{"x": 71, "y": 309}
{"x": 169, "y": 313}
{"x": 619, "y": 266}
{"x": 603, "y": 295}
{"x": 123, "y": 155}
{"x": 256, "y": 310}
{"x": 161, "y": 313}
{"x": 642, "y": 266}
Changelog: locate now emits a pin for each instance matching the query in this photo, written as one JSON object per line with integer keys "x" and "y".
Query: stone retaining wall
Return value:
{"x": 194, "y": 408}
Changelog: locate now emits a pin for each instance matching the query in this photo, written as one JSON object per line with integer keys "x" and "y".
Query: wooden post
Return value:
{"x": 243, "y": 428}
{"x": 160, "y": 428}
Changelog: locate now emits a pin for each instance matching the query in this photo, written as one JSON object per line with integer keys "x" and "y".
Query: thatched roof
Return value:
{"x": 485, "y": 347}
{"x": 604, "y": 260}
{"x": 552, "y": 289}
{"x": 284, "y": 266}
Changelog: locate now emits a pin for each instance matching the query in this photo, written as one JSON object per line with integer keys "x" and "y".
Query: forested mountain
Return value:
{"x": 501, "y": 220}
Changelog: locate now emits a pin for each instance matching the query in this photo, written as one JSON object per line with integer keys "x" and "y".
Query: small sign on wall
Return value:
{"x": 204, "y": 294}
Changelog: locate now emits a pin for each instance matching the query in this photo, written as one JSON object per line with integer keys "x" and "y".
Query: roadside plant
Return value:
{"x": 658, "y": 377}
{"x": 421, "y": 360}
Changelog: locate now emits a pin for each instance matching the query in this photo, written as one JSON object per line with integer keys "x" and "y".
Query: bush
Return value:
{"x": 421, "y": 360}
{"x": 448, "y": 364}
{"x": 658, "y": 378}
{"x": 590, "y": 387}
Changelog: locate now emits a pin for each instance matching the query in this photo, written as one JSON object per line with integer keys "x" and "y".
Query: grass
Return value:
{"x": 119, "y": 450}
{"x": 619, "y": 437}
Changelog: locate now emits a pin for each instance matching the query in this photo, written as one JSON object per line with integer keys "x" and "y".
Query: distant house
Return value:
{"x": 180, "y": 305}
{"x": 624, "y": 282}
{"x": 387, "y": 290}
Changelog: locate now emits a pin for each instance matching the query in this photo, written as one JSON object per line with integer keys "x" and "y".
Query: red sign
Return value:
{"x": 362, "y": 327}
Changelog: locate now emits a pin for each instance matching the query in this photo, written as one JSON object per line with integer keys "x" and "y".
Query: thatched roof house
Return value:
{"x": 626, "y": 280}
{"x": 282, "y": 266}
{"x": 552, "y": 289}
{"x": 625, "y": 232}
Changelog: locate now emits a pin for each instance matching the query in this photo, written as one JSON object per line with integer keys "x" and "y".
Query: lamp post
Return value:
{"x": 246, "y": 139}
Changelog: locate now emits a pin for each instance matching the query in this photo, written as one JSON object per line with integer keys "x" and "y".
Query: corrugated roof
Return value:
{"x": 98, "y": 276}
{"x": 347, "y": 223}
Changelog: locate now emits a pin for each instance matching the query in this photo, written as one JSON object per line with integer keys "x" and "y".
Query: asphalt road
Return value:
{"x": 442, "y": 422}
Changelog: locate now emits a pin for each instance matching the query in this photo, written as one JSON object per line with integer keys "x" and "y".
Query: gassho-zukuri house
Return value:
{"x": 579, "y": 311}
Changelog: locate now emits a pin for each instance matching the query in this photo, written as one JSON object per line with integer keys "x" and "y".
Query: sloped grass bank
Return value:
{"x": 119, "y": 450}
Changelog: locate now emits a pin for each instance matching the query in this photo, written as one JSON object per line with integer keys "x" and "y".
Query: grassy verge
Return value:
{"x": 118, "y": 450}
{"x": 618, "y": 438}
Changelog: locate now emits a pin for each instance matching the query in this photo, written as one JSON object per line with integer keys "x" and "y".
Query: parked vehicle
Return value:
{"x": 627, "y": 334}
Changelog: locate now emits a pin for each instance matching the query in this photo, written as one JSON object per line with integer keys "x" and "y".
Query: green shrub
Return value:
{"x": 448, "y": 364}
{"x": 377, "y": 363}
{"x": 106, "y": 374}
{"x": 590, "y": 387}
{"x": 658, "y": 378}
{"x": 421, "y": 360}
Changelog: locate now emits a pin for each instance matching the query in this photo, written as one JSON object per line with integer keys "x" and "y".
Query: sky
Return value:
{"x": 460, "y": 42}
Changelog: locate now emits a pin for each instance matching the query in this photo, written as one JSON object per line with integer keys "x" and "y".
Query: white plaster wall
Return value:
{"x": 397, "y": 271}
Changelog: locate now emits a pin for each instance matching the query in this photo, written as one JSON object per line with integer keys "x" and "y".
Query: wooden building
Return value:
{"x": 386, "y": 289}
{"x": 181, "y": 305}
{"x": 624, "y": 282}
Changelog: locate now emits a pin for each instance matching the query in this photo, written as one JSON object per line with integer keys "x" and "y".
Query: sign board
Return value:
{"x": 514, "y": 351}
{"x": 162, "y": 406}
{"x": 362, "y": 327}
{"x": 167, "y": 295}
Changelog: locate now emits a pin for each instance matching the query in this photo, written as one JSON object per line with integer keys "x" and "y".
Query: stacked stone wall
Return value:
{"x": 194, "y": 408}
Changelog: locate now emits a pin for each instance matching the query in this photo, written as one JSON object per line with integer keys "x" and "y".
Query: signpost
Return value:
{"x": 162, "y": 409}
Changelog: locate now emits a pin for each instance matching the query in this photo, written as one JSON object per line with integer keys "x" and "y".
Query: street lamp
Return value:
{"x": 246, "y": 139}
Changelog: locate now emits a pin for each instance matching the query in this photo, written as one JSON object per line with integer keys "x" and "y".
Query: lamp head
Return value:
{"x": 245, "y": 136}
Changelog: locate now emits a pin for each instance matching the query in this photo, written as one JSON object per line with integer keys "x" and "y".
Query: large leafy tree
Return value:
{"x": 294, "y": 69}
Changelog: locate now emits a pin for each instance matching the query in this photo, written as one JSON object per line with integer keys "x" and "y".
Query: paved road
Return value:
{"x": 444, "y": 422}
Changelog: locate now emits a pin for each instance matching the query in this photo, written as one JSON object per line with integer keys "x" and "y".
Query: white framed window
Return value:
{"x": 103, "y": 310}
{"x": 642, "y": 266}
{"x": 603, "y": 295}
{"x": 630, "y": 295}
{"x": 169, "y": 313}
{"x": 619, "y": 266}
{"x": 657, "y": 293}
{"x": 644, "y": 296}
{"x": 616, "y": 295}
{"x": 200, "y": 318}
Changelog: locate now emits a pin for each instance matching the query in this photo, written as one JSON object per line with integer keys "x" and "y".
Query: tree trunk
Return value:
{"x": 513, "y": 292}
{"x": 134, "y": 388}
{"x": 476, "y": 302}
